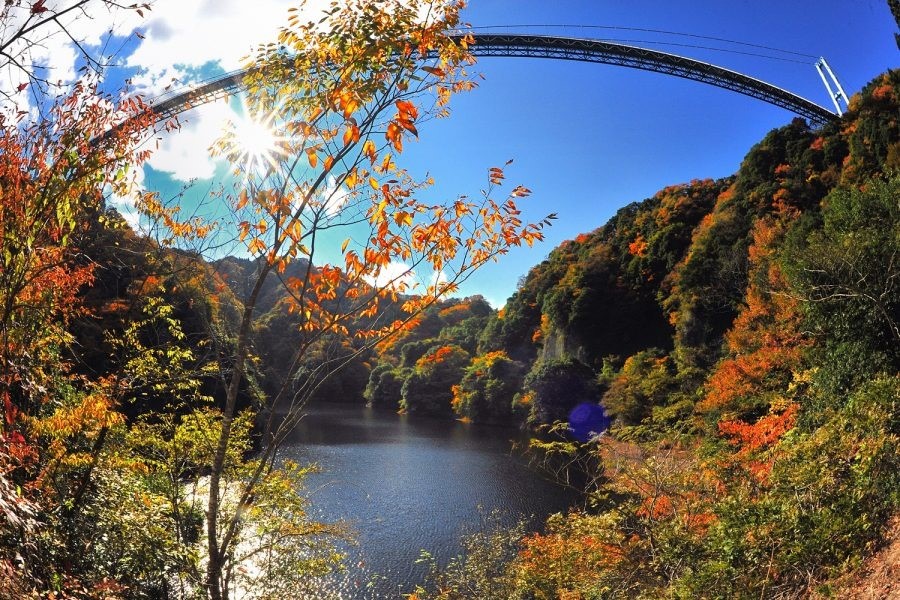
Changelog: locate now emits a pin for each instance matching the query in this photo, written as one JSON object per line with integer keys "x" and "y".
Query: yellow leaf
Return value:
{"x": 369, "y": 151}
{"x": 379, "y": 211}
{"x": 256, "y": 245}
{"x": 403, "y": 218}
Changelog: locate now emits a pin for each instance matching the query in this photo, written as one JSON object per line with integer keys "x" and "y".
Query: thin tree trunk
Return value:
{"x": 217, "y": 554}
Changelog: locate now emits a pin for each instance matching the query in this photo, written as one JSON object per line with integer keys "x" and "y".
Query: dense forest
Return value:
{"x": 742, "y": 336}
{"x": 716, "y": 367}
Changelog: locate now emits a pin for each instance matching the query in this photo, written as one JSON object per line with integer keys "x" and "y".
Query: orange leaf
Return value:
{"x": 437, "y": 72}
{"x": 242, "y": 200}
{"x": 403, "y": 218}
{"x": 407, "y": 125}
{"x": 351, "y": 134}
{"x": 394, "y": 135}
{"x": 408, "y": 109}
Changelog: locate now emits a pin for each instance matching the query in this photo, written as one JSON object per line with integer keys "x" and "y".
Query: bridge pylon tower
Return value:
{"x": 836, "y": 93}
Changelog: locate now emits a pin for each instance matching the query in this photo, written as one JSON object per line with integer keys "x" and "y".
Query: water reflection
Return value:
{"x": 406, "y": 484}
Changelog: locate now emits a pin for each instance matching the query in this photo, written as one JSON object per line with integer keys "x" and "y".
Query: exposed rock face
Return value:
{"x": 559, "y": 344}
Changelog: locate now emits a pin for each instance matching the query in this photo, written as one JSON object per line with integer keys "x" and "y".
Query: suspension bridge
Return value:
{"x": 575, "y": 49}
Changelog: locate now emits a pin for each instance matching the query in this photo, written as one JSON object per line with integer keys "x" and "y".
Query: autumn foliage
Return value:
{"x": 177, "y": 339}
{"x": 53, "y": 178}
{"x": 741, "y": 333}
{"x": 754, "y": 447}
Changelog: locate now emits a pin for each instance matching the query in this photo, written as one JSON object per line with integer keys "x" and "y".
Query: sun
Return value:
{"x": 255, "y": 146}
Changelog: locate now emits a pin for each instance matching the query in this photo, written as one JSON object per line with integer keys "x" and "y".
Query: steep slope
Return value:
{"x": 744, "y": 335}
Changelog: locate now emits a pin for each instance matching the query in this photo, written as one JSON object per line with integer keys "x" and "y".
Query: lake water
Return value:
{"x": 405, "y": 484}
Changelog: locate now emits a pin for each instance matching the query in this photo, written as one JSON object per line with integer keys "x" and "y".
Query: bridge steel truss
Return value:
{"x": 563, "y": 48}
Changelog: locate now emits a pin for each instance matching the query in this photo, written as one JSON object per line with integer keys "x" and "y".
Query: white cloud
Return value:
{"x": 179, "y": 38}
{"x": 396, "y": 275}
{"x": 334, "y": 197}
{"x": 49, "y": 46}
{"x": 184, "y": 153}
{"x": 180, "y": 34}
{"x": 438, "y": 278}
{"x": 125, "y": 203}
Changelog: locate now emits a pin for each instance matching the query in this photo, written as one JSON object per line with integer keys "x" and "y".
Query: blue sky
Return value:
{"x": 585, "y": 138}
{"x": 588, "y": 139}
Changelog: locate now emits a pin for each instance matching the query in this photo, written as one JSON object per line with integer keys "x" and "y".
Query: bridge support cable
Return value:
{"x": 596, "y": 51}
{"x": 561, "y": 48}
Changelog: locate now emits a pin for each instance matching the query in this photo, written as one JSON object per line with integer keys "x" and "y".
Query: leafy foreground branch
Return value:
{"x": 140, "y": 457}
{"x": 341, "y": 95}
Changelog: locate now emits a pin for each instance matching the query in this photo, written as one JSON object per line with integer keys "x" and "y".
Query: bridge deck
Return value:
{"x": 555, "y": 47}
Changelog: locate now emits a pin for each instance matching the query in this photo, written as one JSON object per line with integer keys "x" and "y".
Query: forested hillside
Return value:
{"x": 660, "y": 285}
{"x": 743, "y": 336}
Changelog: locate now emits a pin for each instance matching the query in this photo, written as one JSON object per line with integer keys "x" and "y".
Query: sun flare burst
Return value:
{"x": 255, "y": 143}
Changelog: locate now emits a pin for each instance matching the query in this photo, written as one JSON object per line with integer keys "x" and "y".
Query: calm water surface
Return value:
{"x": 405, "y": 484}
